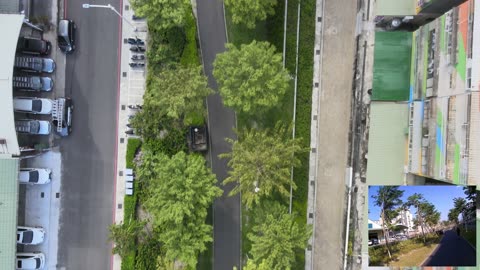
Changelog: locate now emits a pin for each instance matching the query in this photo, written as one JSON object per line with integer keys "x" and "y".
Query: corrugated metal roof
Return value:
{"x": 9, "y": 6}
{"x": 474, "y": 141}
{"x": 387, "y": 143}
{"x": 395, "y": 7}
{"x": 392, "y": 64}
{"x": 8, "y": 211}
{"x": 10, "y": 30}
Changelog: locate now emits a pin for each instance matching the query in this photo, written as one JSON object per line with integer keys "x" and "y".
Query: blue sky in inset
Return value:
{"x": 440, "y": 196}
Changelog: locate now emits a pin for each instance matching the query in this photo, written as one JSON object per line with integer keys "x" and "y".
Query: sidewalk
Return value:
{"x": 132, "y": 88}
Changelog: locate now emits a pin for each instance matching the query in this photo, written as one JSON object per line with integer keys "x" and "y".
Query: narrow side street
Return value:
{"x": 221, "y": 121}
{"x": 452, "y": 251}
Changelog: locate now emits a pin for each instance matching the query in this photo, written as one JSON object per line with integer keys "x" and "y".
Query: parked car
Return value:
{"x": 197, "y": 138}
{"x": 30, "y": 235}
{"x": 370, "y": 242}
{"x": 33, "y": 105}
{"x": 66, "y": 35}
{"x": 32, "y": 45}
{"x": 32, "y": 83}
{"x": 34, "y": 176}
{"x": 62, "y": 116}
{"x": 35, "y": 64}
{"x": 33, "y": 127}
{"x": 374, "y": 241}
{"x": 30, "y": 260}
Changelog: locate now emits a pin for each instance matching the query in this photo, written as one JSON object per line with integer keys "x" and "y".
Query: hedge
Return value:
{"x": 190, "y": 53}
{"x": 130, "y": 202}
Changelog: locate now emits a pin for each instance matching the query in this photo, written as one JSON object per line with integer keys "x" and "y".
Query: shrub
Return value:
{"x": 128, "y": 262}
{"x": 147, "y": 254}
{"x": 190, "y": 53}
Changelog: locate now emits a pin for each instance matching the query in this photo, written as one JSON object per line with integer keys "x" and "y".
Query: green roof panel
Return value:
{"x": 387, "y": 143}
{"x": 8, "y": 211}
{"x": 391, "y": 68}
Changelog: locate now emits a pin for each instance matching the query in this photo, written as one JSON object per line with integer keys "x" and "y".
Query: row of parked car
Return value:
{"x": 32, "y": 67}
{"x": 398, "y": 237}
{"x": 30, "y": 236}
{"x": 28, "y": 77}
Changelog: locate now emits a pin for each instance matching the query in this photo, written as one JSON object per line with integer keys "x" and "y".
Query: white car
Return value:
{"x": 33, "y": 105}
{"x": 30, "y": 261}
{"x": 33, "y": 127}
{"x": 30, "y": 235}
{"x": 34, "y": 176}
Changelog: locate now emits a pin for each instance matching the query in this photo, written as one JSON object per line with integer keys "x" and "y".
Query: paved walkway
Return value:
{"x": 132, "y": 88}
{"x": 331, "y": 115}
{"x": 226, "y": 210}
{"x": 452, "y": 251}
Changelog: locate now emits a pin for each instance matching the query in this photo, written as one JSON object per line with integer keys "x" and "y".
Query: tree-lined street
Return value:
{"x": 453, "y": 250}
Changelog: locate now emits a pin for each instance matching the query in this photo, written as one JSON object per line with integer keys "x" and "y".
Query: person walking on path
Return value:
{"x": 458, "y": 231}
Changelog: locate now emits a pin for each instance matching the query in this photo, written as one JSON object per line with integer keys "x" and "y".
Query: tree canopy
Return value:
{"x": 260, "y": 163}
{"x": 179, "y": 191}
{"x": 248, "y": 12}
{"x": 176, "y": 92}
{"x": 418, "y": 201}
{"x": 275, "y": 237}
{"x": 388, "y": 198}
{"x": 124, "y": 235}
{"x": 251, "y": 79}
{"x": 161, "y": 14}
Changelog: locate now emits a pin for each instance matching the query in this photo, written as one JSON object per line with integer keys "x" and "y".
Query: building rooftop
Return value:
{"x": 10, "y": 30}
{"x": 8, "y": 211}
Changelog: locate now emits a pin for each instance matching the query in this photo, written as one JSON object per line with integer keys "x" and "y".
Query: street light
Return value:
{"x": 114, "y": 10}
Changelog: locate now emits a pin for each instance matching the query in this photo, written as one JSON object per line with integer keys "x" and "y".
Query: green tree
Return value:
{"x": 416, "y": 200}
{"x": 430, "y": 215}
{"x": 276, "y": 239}
{"x": 471, "y": 202}
{"x": 251, "y": 79}
{"x": 252, "y": 266}
{"x": 124, "y": 236}
{"x": 176, "y": 92}
{"x": 248, "y": 12}
{"x": 180, "y": 190}
{"x": 453, "y": 216}
{"x": 388, "y": 199}
{"x": 161, "y": 14}
{"x": 261, "y": 163}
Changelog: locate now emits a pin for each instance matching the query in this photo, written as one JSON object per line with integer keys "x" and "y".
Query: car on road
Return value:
{"x": 32, "y": 105}
{"x": 32, "y": 45}
{"x": 62, "y": 117}
{"x": 34, "y": 64}
{"x": 30, "y": 260}
{"x": 66, "y": 35}
{"x": 32, "y": 83}
{"x": 33, "y": 127}
{"x": 30, "y": 235}
{"x": 34, "y": 176}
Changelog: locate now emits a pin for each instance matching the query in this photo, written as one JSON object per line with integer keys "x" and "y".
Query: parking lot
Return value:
{"x": 39, "y": 204}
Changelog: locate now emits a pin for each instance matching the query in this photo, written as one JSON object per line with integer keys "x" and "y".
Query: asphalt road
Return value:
{"x": 226, "y": 210}
{"x": 452, "y": 251}
{"x": 88, "y": 154}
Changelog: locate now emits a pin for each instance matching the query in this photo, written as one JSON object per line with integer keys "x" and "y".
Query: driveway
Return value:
{"x": 452, "y": 251}
{"x": 226, "y": 210}
{"x": 88, "y": 154}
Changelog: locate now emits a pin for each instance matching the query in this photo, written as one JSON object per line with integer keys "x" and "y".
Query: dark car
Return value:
{"x": 33, "y": 46}
{"x": 66, "y": 35}
{"x": 197, "y": 138}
